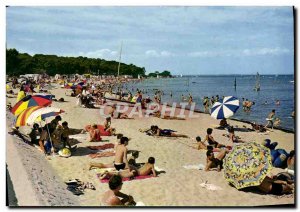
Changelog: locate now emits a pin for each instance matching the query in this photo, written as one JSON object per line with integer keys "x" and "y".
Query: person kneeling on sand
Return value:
{"x": 114, "y": 197}
{"x": 146, "y": 169}
{"x": 213, "y": 162}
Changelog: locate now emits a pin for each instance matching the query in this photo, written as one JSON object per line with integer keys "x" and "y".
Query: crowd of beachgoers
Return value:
{"x": 118, "y": 102}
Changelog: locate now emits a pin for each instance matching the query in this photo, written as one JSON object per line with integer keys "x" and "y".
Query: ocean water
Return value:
{"x": 273, "y": 87}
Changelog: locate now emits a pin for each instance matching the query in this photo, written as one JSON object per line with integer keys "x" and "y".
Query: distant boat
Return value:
{"x": 257, "y": 83}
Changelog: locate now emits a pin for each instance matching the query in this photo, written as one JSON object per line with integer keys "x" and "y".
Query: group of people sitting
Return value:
{"x": 123, "y": 168}
{"x": 52, "y": 137}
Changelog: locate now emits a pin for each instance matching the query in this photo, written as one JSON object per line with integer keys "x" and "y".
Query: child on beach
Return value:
{"x": 165, "y": 132}
{"x": 94, "y": 134}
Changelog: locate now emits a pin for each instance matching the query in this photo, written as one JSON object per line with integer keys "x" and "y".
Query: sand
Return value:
{"x": 177, "y": 187}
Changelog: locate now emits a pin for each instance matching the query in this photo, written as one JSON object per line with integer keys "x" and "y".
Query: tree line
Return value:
{"x": 23, "y": 63}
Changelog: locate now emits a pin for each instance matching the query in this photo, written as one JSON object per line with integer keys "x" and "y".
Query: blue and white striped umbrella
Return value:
{"x": 225, "y": 107}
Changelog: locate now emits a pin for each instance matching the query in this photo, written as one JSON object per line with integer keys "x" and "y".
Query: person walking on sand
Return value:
{"x": 113, "y": 196}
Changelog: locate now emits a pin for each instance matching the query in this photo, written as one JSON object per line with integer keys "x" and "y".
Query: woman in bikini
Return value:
{"x": 210, "y": 139}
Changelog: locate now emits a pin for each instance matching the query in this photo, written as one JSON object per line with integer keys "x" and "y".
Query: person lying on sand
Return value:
{"x": 165, "y": 132}
{"x": 120, "y": 161}
{"x": 272, "y": 185}
{"x": 159, "y": 115}
{"x": 213, "y": 162}
{"x": 113, "y": 196}
{"x": 210, "y": 139}
{"x": 258, "y": 127}
{"x": 146, "y": 169}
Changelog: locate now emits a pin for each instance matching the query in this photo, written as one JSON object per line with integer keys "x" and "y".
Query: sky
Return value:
{"x": 184, "y": 40}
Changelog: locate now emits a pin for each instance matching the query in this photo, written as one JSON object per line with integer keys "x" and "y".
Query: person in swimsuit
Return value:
{"x": 165, "y": 132}
{"x": 95, "y": 134}
{"x": 213, "y": 162}
{"x": 233, "y": 137}
{"x": 146, "y": 169}
{"x": 113, "y": 196}
{"x": 121, "y": 161}
{"x": 276, "y": 187}
{"x": 210, "y": 139}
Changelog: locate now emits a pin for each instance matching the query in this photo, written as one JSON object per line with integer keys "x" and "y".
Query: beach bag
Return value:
{"x": 65, "y": 152}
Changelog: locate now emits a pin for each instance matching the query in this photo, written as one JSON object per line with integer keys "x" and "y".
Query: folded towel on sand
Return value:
{"x": 198, "y": 167}
{"x": 101, "y": 147}
{"x": 126, "y": 178}
{"x": 140, "y": 204}
{"x": 211, "y": 187}
{"x": 102, "y": 154}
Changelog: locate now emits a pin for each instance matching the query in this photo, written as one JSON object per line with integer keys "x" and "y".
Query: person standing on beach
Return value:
{"x": 190, "y": 99}
{"x": 271, "y": 119}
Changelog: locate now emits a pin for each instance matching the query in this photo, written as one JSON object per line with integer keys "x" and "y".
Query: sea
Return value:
{"x": 272, "y": 88}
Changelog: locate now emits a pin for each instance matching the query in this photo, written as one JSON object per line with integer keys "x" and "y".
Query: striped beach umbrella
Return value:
{"x": 22, "y": 117}
{"x": 247, "y": 165}
{"x": 42, "y": 113}
{"x": 30, "y": 101}
{"x": 225, "y": 107}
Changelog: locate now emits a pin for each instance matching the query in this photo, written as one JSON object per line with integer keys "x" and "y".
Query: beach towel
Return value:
{"x": 127, "y": 178}
{"x": 211, "y": 187}
{"x": 102, "y": 154}
{"x": 198, "y": 167}
{"x": 101, "y": 147}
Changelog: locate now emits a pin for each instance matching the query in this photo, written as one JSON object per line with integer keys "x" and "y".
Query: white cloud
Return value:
{"x": 266, "y": 51}
{"x": 154, "y": 53}
{"x": 102, "y": 53}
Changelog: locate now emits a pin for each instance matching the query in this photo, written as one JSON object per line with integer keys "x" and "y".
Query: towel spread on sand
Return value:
{"x": 101, "y": 147}
{"x": 211, "y": 187}
{"x": 126, "y": 178}
{"x": 102, "y": 154}
{"x": 198, "y": 167}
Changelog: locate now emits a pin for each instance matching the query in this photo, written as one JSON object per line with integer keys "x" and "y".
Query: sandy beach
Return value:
{"x": 176, "y": 187}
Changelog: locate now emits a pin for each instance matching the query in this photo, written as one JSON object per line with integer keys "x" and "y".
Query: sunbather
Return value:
{"x": 146, "y": 169}
{"x": 114, "y": 197}
{"x": 95, "y": 134}
{"x": 213, "y": 162}
{"x": 165, "y": 132}
{"x": 275, "y": 186}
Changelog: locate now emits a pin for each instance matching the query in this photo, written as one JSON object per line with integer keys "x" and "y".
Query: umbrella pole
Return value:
{"x": 52, "y": 148}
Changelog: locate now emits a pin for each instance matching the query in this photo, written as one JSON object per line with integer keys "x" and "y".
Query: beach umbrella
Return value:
{"x": 247, "y": 165}
{"x": 224, "y": 108}
{"x": 22, "y": 117}
{"x": 30, "y": 101}
{"x": 42, "y": 113}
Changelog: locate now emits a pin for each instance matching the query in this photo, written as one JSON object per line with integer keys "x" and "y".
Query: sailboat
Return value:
{"x": 257, "y": 84}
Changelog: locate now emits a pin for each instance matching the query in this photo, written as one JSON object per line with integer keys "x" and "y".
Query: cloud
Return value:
{"x": 266, "y": 51}
{"x": 102, "y": 53}
{"x": 154, "y": 53}
{"x": 238, "y": 53}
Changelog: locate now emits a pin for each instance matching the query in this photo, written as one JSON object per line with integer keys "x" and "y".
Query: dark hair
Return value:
{"x": 273, "y": 110}
{"x": 119, "y": 136}
{"x": 231, "y": 129}
{"x": 123, "y": 140}
{"x": 64, "y": 123}
{"x": 108, "y": 118}
{"x": 208, "y": 153}
{"x": 198, "y": 138}
{"x": 151, "y": 160}
{"x": 292, "y": 153}
{"x": 209, "y": 131}
{"x": 35, "y": 126}
{"x": 114, "y": 182}
{"x": 58, "y": 118}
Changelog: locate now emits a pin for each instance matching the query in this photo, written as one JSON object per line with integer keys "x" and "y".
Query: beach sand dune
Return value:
{"x": 177, "y": 186}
